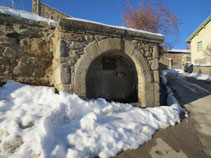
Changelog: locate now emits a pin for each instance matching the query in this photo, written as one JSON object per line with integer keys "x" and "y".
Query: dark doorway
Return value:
{"x": 113, "y": 77}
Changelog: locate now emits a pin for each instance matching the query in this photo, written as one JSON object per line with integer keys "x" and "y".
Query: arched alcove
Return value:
{"x": 112, "y": 76}
{"x": 86, "y": 74}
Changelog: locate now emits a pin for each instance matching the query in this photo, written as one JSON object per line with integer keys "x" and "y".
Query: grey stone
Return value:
{"x": 64, "y": 49}
{"x": 65, "y": 75}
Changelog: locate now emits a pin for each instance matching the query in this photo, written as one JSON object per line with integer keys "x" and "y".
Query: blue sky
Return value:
{"x": 191, "y": 12}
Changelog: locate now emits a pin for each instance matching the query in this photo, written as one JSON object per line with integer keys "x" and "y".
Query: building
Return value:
{"x": 46, "y": 11}
{"x": 175, "y": 58}
{"x": 200, "y": 41}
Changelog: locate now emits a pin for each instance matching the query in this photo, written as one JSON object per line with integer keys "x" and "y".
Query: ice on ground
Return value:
{"x": 201, "y": 76}
{"x": 37, "y": 123}
{"x": 175, "y": 71}
{"x": 26, "y": 15}
{"x": 198, "y": 76}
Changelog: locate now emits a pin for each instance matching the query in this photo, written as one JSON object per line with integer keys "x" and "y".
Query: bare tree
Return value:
{"x": 152, "y": 16}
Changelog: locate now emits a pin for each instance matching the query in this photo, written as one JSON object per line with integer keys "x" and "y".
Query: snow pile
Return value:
{"x": 26, "y": 15}
{"x": 37, "y": 123}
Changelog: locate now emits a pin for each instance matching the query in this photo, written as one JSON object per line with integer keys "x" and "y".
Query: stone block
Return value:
{"x": 80, "y": 76}
{"x": 156, "y": 87}
{"x": 155, "y": 52}
{"x": 65, "y": 75}
{"x": 80, "y": 81}
{"x": 10, "y": 53}
{"x": 105, "y": 45}
{"x": 129, "y": 48}
{"x": 62, "y": 75}
{"x": 146, "y": 87}
{"x": 154, "y": 64}
{"x": 147, "y": 99}
{"x": 116, "y": 44}
{"x": 144, "y": 77}
{"x": 64, "y": 50}
{"x": 156, "y": 99}
{"x": 156, "y": 76}
{"x": 93, "y": 50}
{"x": 138, "y": 55}
{"x": 84, "y": 62}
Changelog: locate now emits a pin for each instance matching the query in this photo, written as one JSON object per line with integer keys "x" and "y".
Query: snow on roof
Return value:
{"x": 118, "y": 27}
{"x": 26, "y": 15}
{"x": 178, "y": 50}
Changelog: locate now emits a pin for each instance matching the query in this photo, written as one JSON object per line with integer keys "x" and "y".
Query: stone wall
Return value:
{"x": 177, "y": 61}
{"x": 26, "y": 50}
{"x": 80, "y": 43}
{"x": 46, "y": 11}
{"x": 76, "y": 54}
{"x": 202, "y": 69}
{"x": 165, "y": 63}
{"x": 51, "y": 13}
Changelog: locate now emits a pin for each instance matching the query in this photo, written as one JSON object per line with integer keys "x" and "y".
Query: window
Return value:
{"x": 199, "y": 45}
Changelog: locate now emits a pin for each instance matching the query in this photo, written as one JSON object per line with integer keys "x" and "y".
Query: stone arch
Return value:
{"x": 96, "y": 49}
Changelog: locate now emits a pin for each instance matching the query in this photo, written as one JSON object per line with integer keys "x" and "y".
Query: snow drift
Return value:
{"x": 37, "y": 123}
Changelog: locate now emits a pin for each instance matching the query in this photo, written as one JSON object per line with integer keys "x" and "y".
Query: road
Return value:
{"x": 192, "y": 137}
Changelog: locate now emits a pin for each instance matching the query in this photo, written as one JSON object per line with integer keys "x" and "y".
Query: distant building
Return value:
{"x": 175, "y": 58}
{"x": 46, "y": 11}
{"x": 200, "y": 40}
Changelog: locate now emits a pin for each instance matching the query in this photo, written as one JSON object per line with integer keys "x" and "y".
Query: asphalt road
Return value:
{"x": 192, "y": 137}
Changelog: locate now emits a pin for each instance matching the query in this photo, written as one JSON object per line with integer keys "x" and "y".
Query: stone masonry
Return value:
{"x": 26, "y": 50}
{"x": 81, "y": 43}
{"x": 89, "y": 59}
{"x": 47, "y": 11}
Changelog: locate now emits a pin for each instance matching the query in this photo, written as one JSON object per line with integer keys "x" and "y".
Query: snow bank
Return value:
{"x": 37, "y": 123}
{"x": 26, "y": 15}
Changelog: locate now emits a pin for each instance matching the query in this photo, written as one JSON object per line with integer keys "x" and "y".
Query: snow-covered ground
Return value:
{"x": 26, "y": 15}
{"x": 198, "y": 76}
{"x": 35, "y": 122}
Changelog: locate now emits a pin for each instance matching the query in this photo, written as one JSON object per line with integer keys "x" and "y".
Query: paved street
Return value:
{"x": 192, "y": 137}
{"x": 196, "y": 97}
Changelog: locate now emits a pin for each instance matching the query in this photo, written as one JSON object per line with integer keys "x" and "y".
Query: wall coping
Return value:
{"x": 74, "y": 24}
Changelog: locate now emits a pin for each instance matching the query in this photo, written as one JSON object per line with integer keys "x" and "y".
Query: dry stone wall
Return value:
{"x": 26, "y": 50}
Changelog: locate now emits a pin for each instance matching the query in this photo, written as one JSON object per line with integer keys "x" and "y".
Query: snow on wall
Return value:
{"x": 27, "y": 15}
